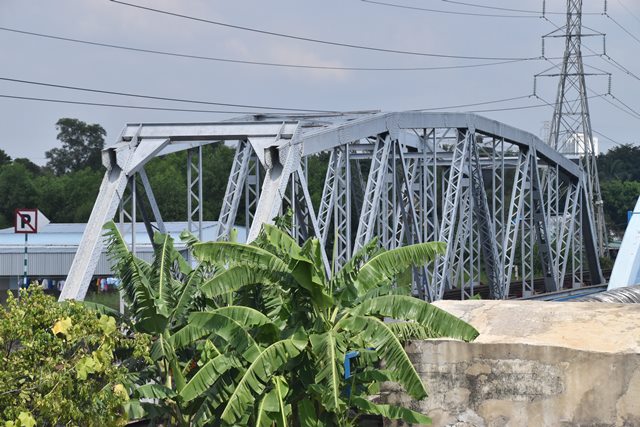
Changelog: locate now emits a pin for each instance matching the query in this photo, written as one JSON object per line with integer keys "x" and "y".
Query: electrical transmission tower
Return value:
{"x": 571, "y": 132}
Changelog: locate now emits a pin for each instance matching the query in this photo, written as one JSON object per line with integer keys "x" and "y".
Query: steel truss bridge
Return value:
{"x": 507, "y": 205}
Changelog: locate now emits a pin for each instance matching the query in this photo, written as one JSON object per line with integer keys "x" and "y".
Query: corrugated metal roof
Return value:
{"x": 51, "y": 251}
{"x": 62, "y": 235}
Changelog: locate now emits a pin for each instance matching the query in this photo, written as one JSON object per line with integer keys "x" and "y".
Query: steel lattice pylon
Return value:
{"x": 473, "y": 183}
{"x": 570, "y": 131}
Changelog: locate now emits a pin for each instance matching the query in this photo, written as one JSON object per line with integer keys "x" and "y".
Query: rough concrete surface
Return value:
{"x": 534, "y": 364}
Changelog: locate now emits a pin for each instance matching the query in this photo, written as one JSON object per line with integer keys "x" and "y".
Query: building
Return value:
{"x": 51, "y": 250}
{"x": 576, "y": 146}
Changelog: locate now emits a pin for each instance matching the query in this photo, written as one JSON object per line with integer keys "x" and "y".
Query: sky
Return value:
{"x": 27, "y": 128}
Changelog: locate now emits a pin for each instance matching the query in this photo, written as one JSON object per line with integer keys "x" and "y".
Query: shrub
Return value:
{"x": 63, "y": 363}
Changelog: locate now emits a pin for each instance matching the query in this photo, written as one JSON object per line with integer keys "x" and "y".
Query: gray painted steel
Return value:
{"x": 405, "y": 177}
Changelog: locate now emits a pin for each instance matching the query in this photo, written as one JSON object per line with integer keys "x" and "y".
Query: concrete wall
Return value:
{"x": 532, "y": 366}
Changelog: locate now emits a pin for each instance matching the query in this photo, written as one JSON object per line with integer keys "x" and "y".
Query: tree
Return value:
{"x": 63, "y": 364}
{"x": 167, "y": 176}
{"x": 620, "y": 197}
{"x": 263, "y": 341}
{"x": 620, "y": 163}
{"x": 620, "y": 183}
{"x": 34, "y": 169}
{"x": 297, "y": 375}
{"x": 81, "y": 146}
{"x": 5, "y": 159}
{"x": 17, "y": 190}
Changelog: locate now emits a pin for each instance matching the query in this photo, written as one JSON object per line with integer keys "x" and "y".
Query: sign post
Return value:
{"x": 27, "y": 221}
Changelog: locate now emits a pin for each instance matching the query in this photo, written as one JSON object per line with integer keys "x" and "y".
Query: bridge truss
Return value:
{"x": 409, "y": 177}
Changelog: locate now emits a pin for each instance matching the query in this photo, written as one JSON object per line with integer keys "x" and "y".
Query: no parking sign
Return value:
{"x": 27, "y": 221}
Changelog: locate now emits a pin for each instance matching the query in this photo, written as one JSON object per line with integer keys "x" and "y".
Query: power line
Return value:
{"x": 617, "y": 107}
{"x": 609, "y": 138}
{"x": 320, "y": 41}
{"x": 183, "y": 110}
{"x": 629, "y": 10}
{"x": 604, "y": 56}
{"x": 134, "y": 107}
{"x": 259, "y": 63}
{"x": 490, "y": 7}
{"x": 630, "y": 111}
{"x": 160, "y": 98}
{"x": 507, "y": 9}
{"x": 622, "y": 28}
{"x": 602, "y": 96}
{"x": 474, "y": 104}
{"x": 448, "y": 12}
{"x": 526, "y": 107}
{"x": 635, "y": 113}
{"x": 620, "y": 67}
{"x": 595, "y": 95}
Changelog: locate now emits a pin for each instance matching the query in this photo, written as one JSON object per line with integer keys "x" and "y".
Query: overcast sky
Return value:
{"x": 28, "y": 127}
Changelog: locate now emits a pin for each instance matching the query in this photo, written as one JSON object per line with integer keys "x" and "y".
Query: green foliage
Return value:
{"x": 5, "y": 159}
{"x": 619, "y": 183}
{"x": 619, "y": 197}
{"x": 28, "y": 165}
{"x": 620, "y": 163}
{"x": 267, "y": 334}
{"x": 82, "y": 144}
{"x": 169, "y": 173}
{"x": 17, "y": 190}
{"x": 63, "y": 363}
{"x": 69, "y": 197}
{"x": 159, "y": 297}
{"x": 317, "y": 166}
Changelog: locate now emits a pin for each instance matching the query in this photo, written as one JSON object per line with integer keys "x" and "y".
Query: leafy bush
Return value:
{"x": 64, "y": 363}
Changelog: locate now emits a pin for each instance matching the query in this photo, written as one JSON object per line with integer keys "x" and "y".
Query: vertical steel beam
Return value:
{"x": 527, "y": 237}
{"x": 251, "y": 189}
{"x": 540, "y": 224}
{"x": 515, "y": 216}
{"x": 342, "y": 211}
{"x": 577, "y": 247}
{"x": 311, "y": 219}
{"x": 329, "y": 192}
{"x": 235, "y": 185}
{"x": 450, "y": 209}
{"x": 375, "y": 183}
{"x": 566, "y": 227}
{"x": 194, "y": 190}
{"x": 590, "y": 240}
{"x": 487, "y": 234}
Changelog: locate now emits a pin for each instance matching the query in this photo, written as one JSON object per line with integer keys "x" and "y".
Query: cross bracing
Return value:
{"x": 404, "y": 178}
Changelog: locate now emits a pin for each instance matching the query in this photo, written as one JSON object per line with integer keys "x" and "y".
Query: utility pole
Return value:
{"x": 571, "y": 132}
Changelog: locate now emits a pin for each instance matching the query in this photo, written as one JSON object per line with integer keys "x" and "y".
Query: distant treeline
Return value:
{"x": 65, "y": 188}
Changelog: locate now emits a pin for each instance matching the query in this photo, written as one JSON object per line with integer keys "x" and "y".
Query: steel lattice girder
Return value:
{"x": 434, "y": 175}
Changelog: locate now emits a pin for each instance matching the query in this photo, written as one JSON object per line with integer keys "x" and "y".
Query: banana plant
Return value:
{"x": 257, "y": 334}
{"x": 159, "y": 297}
{"x": 163, "y": 299}
{"x": 288, "y": 328}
